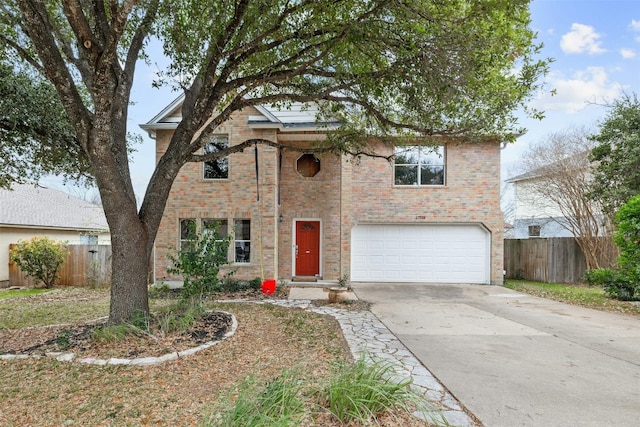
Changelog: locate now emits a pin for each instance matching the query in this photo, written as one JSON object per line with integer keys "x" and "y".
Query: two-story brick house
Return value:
{"x": 432, "y": 215}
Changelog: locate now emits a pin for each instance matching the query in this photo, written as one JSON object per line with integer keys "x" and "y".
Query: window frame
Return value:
{"x": 223, "y": 160}
{"x": 90, "y": 239}
{"x": 183, "y": 240}
{"x": 245, "y": 241}
{"x": 534, "y": 230}
{"x": 422, "y": 161}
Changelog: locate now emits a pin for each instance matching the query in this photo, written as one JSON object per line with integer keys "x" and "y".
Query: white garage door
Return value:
{"x": 420, "y": 253}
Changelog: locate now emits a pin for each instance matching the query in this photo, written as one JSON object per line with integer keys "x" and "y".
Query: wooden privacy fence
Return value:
{"x": 85, "y": 265}
{"x": 553, "y": 260}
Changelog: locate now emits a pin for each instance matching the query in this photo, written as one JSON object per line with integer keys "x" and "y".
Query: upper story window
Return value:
{"x": 216, "y": 169}
{"x": 419, "y": 165}
{"x": 534, "y": 231}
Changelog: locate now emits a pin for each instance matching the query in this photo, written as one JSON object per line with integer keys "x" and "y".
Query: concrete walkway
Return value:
{"x": 514, "y": 359}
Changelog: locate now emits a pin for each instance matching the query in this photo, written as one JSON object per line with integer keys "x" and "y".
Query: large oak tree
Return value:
{"x": 382, "y": 67}
{"x": 36, "y": 137}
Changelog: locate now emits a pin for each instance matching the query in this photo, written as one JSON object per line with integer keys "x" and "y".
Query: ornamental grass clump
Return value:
{"x": 363, "y": 391}
{"x": 277, "y": 403}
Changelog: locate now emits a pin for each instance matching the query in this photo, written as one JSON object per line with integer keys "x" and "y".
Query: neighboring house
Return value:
{"x": 326, "y": 216}
{"x": 30, "y": 210}
{"x": 534, "y": 214}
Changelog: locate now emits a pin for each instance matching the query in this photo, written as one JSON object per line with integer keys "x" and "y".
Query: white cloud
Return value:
{"x": 576, "y": 92}
{"x": 627, "y": 53}
{"x": 581, "y": 39}
{"x": 635, "y": 26}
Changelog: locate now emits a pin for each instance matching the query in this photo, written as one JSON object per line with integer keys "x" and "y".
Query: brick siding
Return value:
{"x": 340, "y": 196}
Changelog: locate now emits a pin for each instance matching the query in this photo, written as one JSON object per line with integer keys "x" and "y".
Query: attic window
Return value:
{"x": 308, "y": 165}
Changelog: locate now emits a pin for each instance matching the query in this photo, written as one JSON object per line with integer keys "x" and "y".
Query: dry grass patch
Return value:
{"x": 268, "y": 341}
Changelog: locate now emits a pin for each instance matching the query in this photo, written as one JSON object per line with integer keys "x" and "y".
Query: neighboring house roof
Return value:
{"x": 32, "y": 205}
{"x": 296, "y": 117}
{"x": 543, "y": 171}
{"x": 527, "y": 175}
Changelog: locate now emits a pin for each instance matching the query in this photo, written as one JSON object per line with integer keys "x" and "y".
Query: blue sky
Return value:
{"x": 595, "y": 44}
{"x": 596, "y": 48}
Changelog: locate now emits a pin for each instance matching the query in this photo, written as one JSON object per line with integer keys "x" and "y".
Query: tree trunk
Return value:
{"x": 129, "y": 274}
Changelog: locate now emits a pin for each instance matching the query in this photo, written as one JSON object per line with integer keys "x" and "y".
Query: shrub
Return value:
{"x": 600, "y": 276}
{"x": 231, "y": 284}
{"x": 40, "y": 258}
{"x": 615, "y": 283}
{"x": 623, "y": 289}
{"x": 623, "y": 283}
{"x": 627, "y": 238}
{"x": 199, "y": 262}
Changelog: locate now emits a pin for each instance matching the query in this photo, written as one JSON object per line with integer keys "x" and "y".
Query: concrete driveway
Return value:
{"x": 514, "y": 359}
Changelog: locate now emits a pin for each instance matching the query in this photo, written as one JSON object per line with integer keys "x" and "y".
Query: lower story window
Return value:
{"x": 187, "y": 234}
{"x": 242, "y": 240}
{"x": 88, "y": 239}
{"x": 209, "y": 225}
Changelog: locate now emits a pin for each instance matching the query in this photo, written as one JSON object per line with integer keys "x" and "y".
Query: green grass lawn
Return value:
{"x": 13, "y": 293}
{"x": 591, "y": 297}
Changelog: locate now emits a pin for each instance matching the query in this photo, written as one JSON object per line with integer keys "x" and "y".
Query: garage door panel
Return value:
{"x": 420, "y": 253}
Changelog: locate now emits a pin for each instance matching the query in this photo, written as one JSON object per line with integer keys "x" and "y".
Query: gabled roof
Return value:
{"x": 545, "y": 170}
{"x": 35, "y": 206}
{"x": 297, "y": 117}
{"x": 536, "y": 173}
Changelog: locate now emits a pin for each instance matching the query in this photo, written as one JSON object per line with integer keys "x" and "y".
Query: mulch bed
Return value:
{"x": 79, "y": 339}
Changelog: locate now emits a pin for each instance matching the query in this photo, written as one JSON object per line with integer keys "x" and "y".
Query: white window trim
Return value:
{"x": 417, "y": 185}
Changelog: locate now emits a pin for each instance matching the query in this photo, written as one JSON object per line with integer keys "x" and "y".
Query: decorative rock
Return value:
{"x": 66, "y": 357}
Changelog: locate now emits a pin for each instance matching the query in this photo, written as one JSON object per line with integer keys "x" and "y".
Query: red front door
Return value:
{"x": 307, "y": 248}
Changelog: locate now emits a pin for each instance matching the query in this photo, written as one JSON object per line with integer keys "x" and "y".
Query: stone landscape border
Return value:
{"x": 140, "y": 361}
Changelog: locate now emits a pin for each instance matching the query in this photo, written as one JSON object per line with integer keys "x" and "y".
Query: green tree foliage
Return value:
{"x": 40, "y": 258}
{"x": 627, "y": 237}
{"x": 35, "y": 133}
{"x": 624, "y": 282}
{"x": 199, "y": 260}
{"x": 617, "y": 155}
{"x": 427, "y": 68}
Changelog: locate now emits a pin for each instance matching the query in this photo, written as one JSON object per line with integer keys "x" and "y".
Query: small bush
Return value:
{"x": 615, "y": 283}
{"x": 627, "y": 238}
{"x": 40, "y": 258}
{"x": 231, "y": 284}
{"x": 622, "y": 289}
{"x": 199, "y": 262}
{"x": 600, "y": 276}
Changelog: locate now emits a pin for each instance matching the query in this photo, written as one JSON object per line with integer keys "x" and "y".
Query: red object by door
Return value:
{"x": 307, "y": 251}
